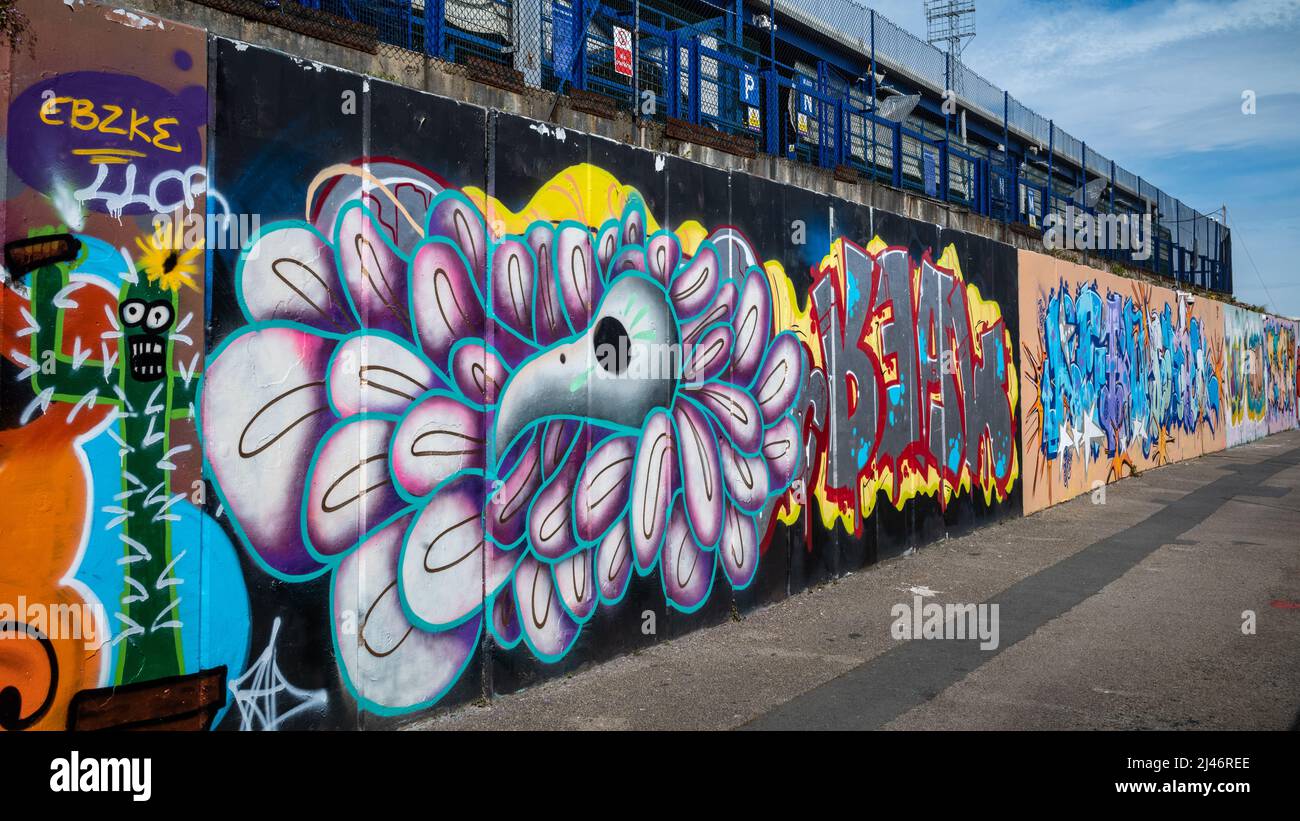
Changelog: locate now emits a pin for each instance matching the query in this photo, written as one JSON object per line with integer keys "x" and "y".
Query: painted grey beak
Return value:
{"x": 615, "y": 373}
{"x": 553, "y": 383}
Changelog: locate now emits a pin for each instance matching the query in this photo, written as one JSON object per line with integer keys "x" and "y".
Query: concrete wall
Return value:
{"x": 1117, "y": 377}
{"x": 362, "y": 391}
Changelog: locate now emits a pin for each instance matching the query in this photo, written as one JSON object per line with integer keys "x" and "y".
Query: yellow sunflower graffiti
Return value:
{"x": 168, "y": 263}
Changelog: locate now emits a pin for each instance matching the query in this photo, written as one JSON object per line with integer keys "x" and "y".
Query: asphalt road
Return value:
{"x": 1127, "y": 615}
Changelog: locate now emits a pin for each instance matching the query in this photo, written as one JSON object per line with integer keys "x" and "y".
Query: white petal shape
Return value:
{"x": 614, "y": 562}
{"x": 288, "y": 273}
{"x": 753, "y": 326}
{"x": 736, "y": 412}
{"x": 781, "y": 450}
{"x": 387, "y": 661}
{"x": 549, "y": 630}
{"x": 350, "y": 490}
{"x": 548, "y": 314}
{"x": 479, "y": 372}
{"x": 777, "y": 385}
{"x": 436, "y": 439}
{"x": 702, "y": 492}
{"x": 662, "y": 256}
{"x": 721, "y": 309}
{"x": 263, "y": 411}
{"x": 652, "y": 489}
{"x": 374, "y": 273}
{"x": 738, "y": 550}
{"x": 445, "y": 303}
{"x": 512, "y": 283}
{"x": 745, "y": 477}
{"x": 696, "y": 284}
{"x": 442, "y": 563}
{"x": 709, "y": 356}
{"x": 506, "y": 512}
{"x": 577, "y": 274}
{"x": 687, "y": 571}
{"x": 550, "y": 520}
{"x": 576, "y": 585}
{"x": 375, "y": 373}
{"x": 603, "y": 486}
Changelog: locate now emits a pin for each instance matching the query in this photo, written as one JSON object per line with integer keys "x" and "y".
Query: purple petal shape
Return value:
{"x": 652, "y": 489}
{"x": 441, "y": 574}
{"x": 550, "y": 630}
{"x": 479, "y": 373}
{"x": 606, "y": 245}
{"x": 753, "y": 325}
{"x": 697, "y": 283}
{"x": 548, "y": 313}
{"x": 289, "y": 274}
{"x": 702, "y": 492}
{"x": 629, "y": 259}
{"x": 370, "y": 372}
{"x": 375, "y": 275}
{"x": 505, "y": 617}
{"x": 720, "y": 310}
{"x": 662, "y": 257}
{"x": 437, "y": 438}
{"x": 633, "y": 224}
{"x": 603, "y": 487}
{"x": 575, "y": 583}
{"x": 512, "y": 278}
{"x": 710, "y": 356}
{"x": 781, "y": 450}
{"x": 556, "y": 439}
{"x": 614, "y": 562}
{"x": 263, "y": 410}
{"x": 378, "y": 647}
{"x": 461, "y": 223}
{"x": 738, "y": 550}
{"x": 445, "y": 305}
{"x": 777, "y": 385}
{"x": 579, "y": 278}
{"x": 687, "y": 570}
{"x": 550, "y": 521}
{"x": 350, "y": 489}
{"x": 745, "y": 477}
{"x": 736, "y": 412}
{"x": 506, "y": 510}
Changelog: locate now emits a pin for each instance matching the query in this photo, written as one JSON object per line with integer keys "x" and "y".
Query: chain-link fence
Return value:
{"x": 829, "y": 82}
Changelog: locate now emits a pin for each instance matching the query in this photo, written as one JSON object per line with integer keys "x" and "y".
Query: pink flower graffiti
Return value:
{"x": 466, "y": 430}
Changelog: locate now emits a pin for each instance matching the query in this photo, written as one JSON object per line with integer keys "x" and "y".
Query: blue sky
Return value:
{"x": 1156, "y": 85}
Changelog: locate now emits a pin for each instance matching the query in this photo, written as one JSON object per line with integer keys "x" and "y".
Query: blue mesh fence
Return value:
{"x": 718, "y": 65}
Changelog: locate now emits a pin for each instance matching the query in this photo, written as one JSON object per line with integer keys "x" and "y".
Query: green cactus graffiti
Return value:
{"x": 131, "y": 370}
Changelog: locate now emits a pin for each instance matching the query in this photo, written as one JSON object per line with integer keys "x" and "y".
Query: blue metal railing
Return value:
{"x": 714, "y": 64}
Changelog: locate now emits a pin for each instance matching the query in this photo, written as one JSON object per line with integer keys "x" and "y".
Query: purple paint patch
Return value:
{"x": 183, "y": 60}
{"x": 110, "y": 135}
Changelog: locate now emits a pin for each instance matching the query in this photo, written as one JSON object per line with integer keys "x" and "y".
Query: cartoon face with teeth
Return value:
{"x": 144, "y": 324}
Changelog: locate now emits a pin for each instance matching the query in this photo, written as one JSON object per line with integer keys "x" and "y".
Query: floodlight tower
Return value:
{"x": 950, "y": 24}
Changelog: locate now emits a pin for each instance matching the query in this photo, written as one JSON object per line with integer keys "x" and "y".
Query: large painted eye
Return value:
{"x": 132, "y": 312}
{"x": 159, "y": 317}
{"x": 610, "y": 344}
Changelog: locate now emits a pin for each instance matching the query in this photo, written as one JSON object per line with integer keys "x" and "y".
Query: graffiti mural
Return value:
{"x": 103, "y": 326}
{"x": 1247, "y": 374}
{"x": 495, "y": 431}
{"x": 1280, "y": 351}
{"x": 916, "y": 372}
{"x": 1121, "y": 377}
{"x": 325, "y": 401}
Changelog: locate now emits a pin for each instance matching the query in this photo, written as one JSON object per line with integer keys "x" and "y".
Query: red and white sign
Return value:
{"x": 622, "y": 51}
